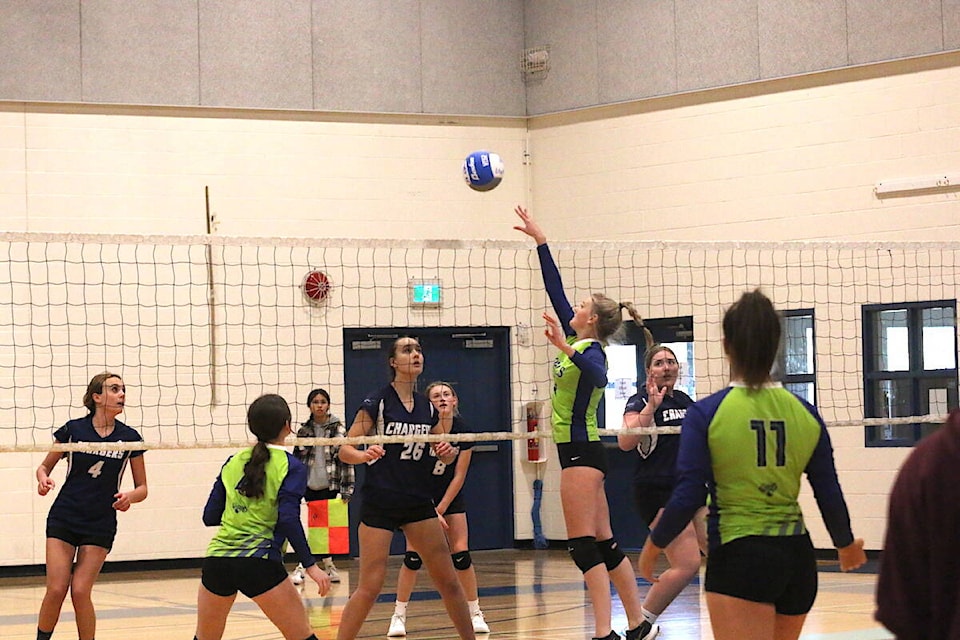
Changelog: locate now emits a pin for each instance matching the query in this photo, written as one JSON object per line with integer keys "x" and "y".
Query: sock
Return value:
{"x": 400, "y": 608}
{"x": 44, "y": 635}
{"x": 649, "y": 617}
{"x": 474, "y": 607}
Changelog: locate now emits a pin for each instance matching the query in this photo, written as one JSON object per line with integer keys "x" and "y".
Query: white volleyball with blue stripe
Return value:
{"x": 482, "y": 170}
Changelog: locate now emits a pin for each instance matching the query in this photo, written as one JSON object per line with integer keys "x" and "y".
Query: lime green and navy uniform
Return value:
{"x": 257, "y": 527}
{"x": 749, "y": 449}
{"x": 578, "y": 381}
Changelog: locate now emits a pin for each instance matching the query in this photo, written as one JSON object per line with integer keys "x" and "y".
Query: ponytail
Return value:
{"x": 638, "y": 320}
{"x": 255, "y": 472}
{"x": 266, "y": 418}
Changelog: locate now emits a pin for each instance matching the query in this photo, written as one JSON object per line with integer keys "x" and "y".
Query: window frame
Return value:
{"x": 915, "y": 374}
{"x": 780, "y": 368}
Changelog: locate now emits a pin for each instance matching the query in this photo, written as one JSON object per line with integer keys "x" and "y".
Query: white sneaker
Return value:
{"x": 297, "y": 576}
{"x": 479, "y": 624}
{"x": 331, "y": 570}
{"x": 398, "y": 626}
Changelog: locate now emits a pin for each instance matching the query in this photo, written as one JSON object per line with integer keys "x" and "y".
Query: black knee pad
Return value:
{"x": 412, "y": 560}
{"x": 461, "y": 560}
{"x": 611, "y": 553}
{"x": 584, "y": 552}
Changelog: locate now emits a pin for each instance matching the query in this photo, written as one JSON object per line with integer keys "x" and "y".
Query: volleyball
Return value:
{"x": 482, "y": 170}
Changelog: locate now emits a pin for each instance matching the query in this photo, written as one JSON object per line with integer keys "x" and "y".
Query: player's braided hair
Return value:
{"x": 266, "y": 418}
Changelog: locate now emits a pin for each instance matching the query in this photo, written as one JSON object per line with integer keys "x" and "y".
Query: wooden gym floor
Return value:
{"x": 524, "y": 594}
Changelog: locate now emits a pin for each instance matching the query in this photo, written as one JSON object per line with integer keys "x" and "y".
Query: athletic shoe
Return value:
{"x": 479, "y": 624}
{"x": 398, "y": 626}
{"x": 297, "y": 576}
{"x": 645, "y": 631}
{"x": 331, "y": 570}
{"x": 613, "y": 635}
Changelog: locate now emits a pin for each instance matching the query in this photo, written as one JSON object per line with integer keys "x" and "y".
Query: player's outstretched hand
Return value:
{"x": 320, "y": 577}
{"x": 852, "y": 556}
{"x": 553, "y": 331}
{"x": 529, "y": 226}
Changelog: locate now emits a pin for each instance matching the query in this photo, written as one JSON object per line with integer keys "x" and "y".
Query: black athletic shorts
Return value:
{"x": 781, "y": 570}
{"x": 391, "y": 517}
{"x": 649, "y": 499}
{"x": 79, "y": 539}
{"x": 459, "y": 505}
{"x": 583, "y": 454}
{"x": 250, "y": 576}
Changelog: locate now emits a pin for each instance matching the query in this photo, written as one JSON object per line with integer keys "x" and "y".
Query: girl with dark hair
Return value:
{"x": 398, "y": 490}
{"x": 660, "y": 404}
{"x": 579, "y": 379}
{"x": 748, "y": 447}
{"x": 256, "y": 503}
{"x": 452, "y": 509}
{"x": 82, "y": 522}
{"x": 327, "y": 477}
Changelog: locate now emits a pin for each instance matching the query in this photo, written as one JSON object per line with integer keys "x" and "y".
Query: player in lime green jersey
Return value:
{"x": 579, "y": 379}
{"x": 748, "y": 446}
{"x": 256, "y": 502}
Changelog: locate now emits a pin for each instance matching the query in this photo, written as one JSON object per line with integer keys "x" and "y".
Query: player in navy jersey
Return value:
{"x": 579, "y": 380}
{"x": 748, "y": 446}
{"x": 82, "y": 522}
{"x": 451, "y": 507}
{"x": 660, "y": 404}
{"x": 255, "y": 502}
{"x": 398, "y": 490}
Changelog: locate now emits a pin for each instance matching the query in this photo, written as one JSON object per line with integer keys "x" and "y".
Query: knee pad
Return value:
{"x": 611, "y": 553}
{"x": 461, "y": 560}
{"x": 412, "y": 560}
{"x": 584, "y": 552}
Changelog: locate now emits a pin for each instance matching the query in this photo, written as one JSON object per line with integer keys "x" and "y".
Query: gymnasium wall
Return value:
{"x": 441, "y": 56}
{"x": 696, "y": 169}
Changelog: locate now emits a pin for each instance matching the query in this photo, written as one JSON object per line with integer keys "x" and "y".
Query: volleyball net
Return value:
{"x": 199, "y": 326}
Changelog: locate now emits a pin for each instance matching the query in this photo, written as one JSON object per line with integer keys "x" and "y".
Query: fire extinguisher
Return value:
{"x": 533, "y": 444}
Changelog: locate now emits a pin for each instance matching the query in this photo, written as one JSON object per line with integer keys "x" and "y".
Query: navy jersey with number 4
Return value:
{"x": 85, "y": 502}
{"x": 403, "y": 476}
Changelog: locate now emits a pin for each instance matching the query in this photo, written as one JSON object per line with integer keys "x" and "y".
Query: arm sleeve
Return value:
{"x": 291, "y": 492}
{"x": 694, "y": 471}
{"x": 822, "y": 474}
{"x": 592, "y": 364}
{"x": 554, "y": 287}
{"x": 216, "y": 501}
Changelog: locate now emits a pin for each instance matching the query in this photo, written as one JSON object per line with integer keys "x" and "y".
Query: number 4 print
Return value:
{"x": 96, "y": 469}
{"x": 779, "y": 428}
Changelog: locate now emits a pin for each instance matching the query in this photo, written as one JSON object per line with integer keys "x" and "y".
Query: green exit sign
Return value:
{"x": 425, "y": 293}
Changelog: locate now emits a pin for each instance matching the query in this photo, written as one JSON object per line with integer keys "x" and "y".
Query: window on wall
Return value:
{"x": 795, "y": 366}
{"x": 909, "y": 367}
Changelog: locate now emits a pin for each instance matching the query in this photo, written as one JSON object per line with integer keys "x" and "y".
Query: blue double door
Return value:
{"x": 476, "y": 361}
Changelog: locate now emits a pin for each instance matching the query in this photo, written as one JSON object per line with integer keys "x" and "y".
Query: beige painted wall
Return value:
{"x": 786, "y": 160}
